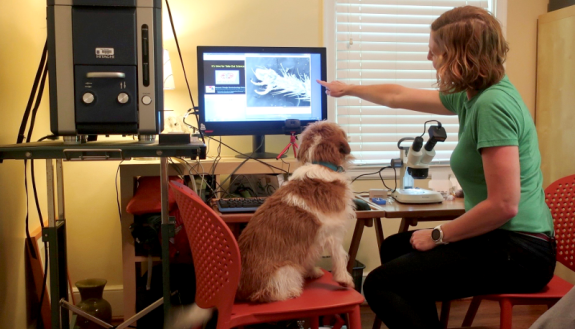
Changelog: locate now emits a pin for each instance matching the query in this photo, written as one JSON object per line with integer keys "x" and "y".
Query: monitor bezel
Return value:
{"x": 241, "y": 128}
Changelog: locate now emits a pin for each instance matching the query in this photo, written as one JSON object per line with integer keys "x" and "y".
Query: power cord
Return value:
{"x": 184, "y": 70}
{"x": 381, "y": 177}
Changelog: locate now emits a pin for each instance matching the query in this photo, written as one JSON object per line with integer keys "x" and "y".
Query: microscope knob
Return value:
{"x": 123, "y": 98}
{"x": 88, "y": 98}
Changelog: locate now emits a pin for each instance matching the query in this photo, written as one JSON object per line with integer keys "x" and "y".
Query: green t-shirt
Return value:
{"x": 497, "y": 116}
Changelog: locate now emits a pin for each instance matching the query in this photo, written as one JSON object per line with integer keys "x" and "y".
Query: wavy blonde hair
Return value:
{"x": 473, "y": 49}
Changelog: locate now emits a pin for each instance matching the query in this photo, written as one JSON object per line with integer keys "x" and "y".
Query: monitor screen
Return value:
{"x": 254, "y": 90}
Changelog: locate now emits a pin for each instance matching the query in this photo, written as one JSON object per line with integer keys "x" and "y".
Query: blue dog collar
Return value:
{"x": 329, "y": 165}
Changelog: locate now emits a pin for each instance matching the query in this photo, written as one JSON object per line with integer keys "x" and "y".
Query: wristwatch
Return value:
{"x": 437, "y": 235}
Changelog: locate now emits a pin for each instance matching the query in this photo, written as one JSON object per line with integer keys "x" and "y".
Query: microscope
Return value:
{"x": 415, "y": 165}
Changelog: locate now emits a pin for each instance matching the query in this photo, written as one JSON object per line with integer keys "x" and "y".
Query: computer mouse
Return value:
{"x": 361, "y": 204}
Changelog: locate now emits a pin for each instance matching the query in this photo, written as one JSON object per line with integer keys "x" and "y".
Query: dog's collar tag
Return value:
{"x": 329, "y": 165}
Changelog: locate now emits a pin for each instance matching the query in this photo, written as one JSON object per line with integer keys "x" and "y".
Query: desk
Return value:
{"x": 55, "y": 232}
{"x": 411, "y": 214}
{"x": 364, "y": 218}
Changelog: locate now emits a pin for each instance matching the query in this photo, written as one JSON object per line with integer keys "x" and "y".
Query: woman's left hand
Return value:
{"x": 421, "y": 240}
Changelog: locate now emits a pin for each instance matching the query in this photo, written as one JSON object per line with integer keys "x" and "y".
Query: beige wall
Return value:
{"x": 94, "y": 230}
{"x": 522, "y": 37}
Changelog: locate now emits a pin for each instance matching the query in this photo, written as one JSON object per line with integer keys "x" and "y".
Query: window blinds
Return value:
{"x": 386, "y": 41}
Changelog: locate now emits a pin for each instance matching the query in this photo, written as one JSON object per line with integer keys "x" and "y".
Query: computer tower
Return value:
{"x": 105, "y": 67}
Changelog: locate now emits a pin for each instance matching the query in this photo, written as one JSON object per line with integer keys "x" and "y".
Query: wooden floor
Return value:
{"x": 487, "y": 316}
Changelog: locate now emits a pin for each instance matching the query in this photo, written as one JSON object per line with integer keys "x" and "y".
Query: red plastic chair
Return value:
{"x": 217, "y": 264}
{"x": 560, "y": 197}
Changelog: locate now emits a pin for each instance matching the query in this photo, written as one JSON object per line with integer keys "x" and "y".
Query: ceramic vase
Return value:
{"x": 91, "y": 291}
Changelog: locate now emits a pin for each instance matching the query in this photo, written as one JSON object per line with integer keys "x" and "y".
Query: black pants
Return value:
{"x": 403, "y": 290}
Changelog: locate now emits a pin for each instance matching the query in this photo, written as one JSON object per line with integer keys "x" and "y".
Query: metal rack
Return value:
{"x": 55, "y": 232}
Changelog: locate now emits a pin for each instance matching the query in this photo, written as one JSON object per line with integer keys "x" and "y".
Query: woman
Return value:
{"x": 504, "y": 242}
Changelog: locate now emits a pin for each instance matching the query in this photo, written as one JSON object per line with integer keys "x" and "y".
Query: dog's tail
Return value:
{"x": 188, "y": 317}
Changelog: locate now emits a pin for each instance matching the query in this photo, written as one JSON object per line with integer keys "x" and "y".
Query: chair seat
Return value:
{"x": 319, "y": 294}
{"x": 556, "y": 288}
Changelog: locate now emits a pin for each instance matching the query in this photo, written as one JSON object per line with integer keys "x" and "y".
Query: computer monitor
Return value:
{"x": 254, "y": 90}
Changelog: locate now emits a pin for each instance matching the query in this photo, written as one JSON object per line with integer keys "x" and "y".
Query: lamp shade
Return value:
{"x": 168, "y": 75}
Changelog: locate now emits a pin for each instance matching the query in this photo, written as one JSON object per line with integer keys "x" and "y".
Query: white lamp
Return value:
{"x": 168, "y": 75}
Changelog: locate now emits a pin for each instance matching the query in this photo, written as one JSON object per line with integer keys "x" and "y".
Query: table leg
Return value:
{"x": 378, "y": 232}
{"x": 55, "y": 234}
{"x": 354, "y": 245}
{"x": 404, "y": 226}
{"x": 166, "y": 230}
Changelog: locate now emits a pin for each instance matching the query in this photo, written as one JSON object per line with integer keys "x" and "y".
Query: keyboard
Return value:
{"x": 230, "y": 205}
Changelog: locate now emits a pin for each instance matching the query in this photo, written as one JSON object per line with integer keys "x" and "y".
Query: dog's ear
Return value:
{"x": 344, "y": 148}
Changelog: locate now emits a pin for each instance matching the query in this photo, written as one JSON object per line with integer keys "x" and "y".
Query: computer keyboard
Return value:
{"x": 229, "y": 205}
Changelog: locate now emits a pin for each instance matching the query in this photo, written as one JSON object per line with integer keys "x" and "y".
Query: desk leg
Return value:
{"x": 378, "y": 232}
{"x": 55, "y": 234}
{"x": 404, "y": 226}
{"x": 165, "y": 234}
{"x": 354, "y": 245}
{"x": 127, "y": 183}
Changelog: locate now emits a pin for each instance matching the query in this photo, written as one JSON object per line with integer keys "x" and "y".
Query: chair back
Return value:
{"x": 560, "y": 197}
{"x": 215, "y": 252}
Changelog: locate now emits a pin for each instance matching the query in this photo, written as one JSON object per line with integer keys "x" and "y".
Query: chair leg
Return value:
{"x": 314, "y": 322}
{"x": 355, "y": 318}
{"x": 444, "y": 317}
{"x": 506, "y": 314}
{"x": 376, "y": 323}
{"x": 471, "y": 311}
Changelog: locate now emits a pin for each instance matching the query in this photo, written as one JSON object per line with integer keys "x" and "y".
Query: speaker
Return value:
{"x": 105, "y": 67}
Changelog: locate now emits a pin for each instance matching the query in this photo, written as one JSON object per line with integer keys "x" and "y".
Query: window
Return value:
{"x": 385, "y": 41}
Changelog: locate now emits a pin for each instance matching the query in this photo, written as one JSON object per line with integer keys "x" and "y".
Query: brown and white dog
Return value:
{"x": 288, "y": 233}
{"x": 309, "y": 214}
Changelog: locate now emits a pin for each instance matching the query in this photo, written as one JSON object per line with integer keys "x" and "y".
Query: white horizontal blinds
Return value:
{"x": 386, "y": 41}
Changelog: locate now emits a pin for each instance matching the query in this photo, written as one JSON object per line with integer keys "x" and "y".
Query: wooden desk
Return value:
{"x": 411, "y": 214}
{"x": 364, "y": 218}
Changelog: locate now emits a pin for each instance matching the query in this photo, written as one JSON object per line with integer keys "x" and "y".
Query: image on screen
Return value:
{"x": 278, "y": 81}
{"x": 253, "y": 90}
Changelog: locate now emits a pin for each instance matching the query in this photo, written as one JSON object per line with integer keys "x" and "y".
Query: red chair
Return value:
{"x": 560, "y": 197}
{"x": 217, "y": 263}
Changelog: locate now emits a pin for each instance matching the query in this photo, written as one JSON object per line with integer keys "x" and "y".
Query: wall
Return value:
{"x": 522, "y": 37}
{"x": 94, "y": 230}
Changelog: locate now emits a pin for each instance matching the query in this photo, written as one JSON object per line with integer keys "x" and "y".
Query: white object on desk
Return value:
{"x": 414, "y": 195}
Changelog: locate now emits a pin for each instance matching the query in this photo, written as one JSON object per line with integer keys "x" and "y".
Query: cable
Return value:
{"x": 249, "y": 157}
{"x": 117, "y": 193}
{"x": 34, "y": 93}
{"x": 381, "y": 177}
{"x": 183, "y": 67}
{"x": 425, "y": 123}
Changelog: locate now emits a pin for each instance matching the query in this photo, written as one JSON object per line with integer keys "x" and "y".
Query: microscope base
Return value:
{"x": 415, "y": 195}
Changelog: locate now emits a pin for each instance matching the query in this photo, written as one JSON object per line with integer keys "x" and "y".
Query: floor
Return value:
{"x": 487, "y": 316}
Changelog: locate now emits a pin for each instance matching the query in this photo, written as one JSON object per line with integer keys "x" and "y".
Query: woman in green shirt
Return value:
{"x": 504, "y": 242}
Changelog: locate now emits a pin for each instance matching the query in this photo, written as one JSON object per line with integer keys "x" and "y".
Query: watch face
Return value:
{"x": 435, "y": 234}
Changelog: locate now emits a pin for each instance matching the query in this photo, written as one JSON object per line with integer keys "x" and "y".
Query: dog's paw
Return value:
{"x": 345, "y": 280}
{"x": 315, "y": 273}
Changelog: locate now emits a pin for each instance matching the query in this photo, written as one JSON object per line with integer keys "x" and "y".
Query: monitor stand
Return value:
{"x": 259, "y": 147}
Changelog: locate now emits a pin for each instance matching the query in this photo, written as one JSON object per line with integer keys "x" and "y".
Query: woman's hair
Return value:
{"x": 473, "y": 49}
